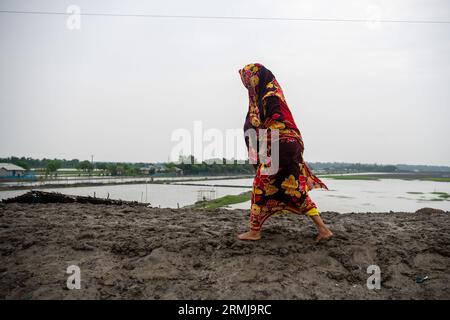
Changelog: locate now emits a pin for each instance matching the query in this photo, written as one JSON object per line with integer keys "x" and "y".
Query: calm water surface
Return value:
{"x": 343, "y": 196}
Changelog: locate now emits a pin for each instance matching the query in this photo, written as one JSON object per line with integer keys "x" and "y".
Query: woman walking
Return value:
{"x": 287, "y": 189}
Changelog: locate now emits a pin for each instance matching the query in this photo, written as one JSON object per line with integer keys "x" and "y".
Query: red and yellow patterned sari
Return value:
{"x": 287, "y": 189}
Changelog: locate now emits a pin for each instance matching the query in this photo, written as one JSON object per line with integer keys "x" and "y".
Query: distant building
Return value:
{"x": 147, "y": 170}
{"x": 159, "y": 168}
{"x": 11, "y": 170}
{"x": 178, "y": 171}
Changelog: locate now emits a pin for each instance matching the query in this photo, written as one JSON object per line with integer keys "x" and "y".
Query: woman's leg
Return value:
{"x": 256, "y": 213}
{"x": 256, "y": 220}
{"x": 324, "y": 232}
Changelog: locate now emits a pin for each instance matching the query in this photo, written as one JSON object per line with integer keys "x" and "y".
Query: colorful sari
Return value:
{"x": 287, "y": 189}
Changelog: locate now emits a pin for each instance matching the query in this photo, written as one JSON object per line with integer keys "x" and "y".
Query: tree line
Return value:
{"x": 210, "y": 167}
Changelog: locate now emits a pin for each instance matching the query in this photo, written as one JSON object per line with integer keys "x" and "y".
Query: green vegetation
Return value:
{"x": 189, "y": 166}
{"x": 85, "y": 166}
{"x": 52, "y": 167}
{"x": 438, "y": 196}
{"x": 350, "y": 177}
{"x": 438, "y": 179}
{"x": 212, "y": 168}
{"x": 345, "y": 167}
{"x": 216, "y": 167}
{"x": 403, "y": 176}
{"x": 223, "y": 201}
{"x": 443, "y": 195}
{"x": 28, "y": 162}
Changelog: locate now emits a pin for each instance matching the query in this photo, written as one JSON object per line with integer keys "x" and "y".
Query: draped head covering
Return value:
{"x": 261, "y": 84}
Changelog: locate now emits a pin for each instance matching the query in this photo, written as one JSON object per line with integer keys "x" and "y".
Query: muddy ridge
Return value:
{"x": 127, "y": 252}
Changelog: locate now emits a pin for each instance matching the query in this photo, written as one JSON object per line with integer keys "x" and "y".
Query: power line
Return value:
{"x": 163, "y": 16}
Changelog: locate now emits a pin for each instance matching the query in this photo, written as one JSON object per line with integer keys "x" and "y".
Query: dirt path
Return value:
{"x": 147, "y": 253}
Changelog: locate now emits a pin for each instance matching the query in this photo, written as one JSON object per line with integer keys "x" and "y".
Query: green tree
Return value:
{"x": 86, "y": 166}
{"x": 52, "y": 167}
{"x": 112, "y": 168}
{"x": 23, "y": 164}
{"x": 102, "y": 166}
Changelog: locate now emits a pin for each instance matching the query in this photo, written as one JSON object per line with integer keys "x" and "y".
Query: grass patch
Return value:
{"x": 223, "y": 201}
{"x": 351, "y": 177}
{"x": 438, "y": 179}
{"x": 376, "y": 177}
{"x": 443, "y": 195}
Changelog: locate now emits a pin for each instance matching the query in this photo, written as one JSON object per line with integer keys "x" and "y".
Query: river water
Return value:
{"x": 344, "y": 195}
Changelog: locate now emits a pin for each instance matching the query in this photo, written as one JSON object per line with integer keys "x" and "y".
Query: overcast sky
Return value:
{"x": 118, "y": 87}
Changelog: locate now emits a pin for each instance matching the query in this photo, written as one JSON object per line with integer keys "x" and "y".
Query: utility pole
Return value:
{"x": 92, "y": 162}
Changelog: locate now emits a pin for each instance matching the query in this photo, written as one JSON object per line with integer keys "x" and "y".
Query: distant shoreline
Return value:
{"x": 430, "y": 176}
{"x": 141, "y": 181}
{"x": 423, "y": 176}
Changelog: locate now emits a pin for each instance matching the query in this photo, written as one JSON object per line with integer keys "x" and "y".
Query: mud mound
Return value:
{"x": 55, "y": 197}
{"x": 430, "y": 211}
{"x": 148, "y": 253}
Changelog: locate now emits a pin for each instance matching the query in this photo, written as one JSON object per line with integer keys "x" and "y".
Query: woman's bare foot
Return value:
{"x": 324, "y": 234}
{"x": 250, "y": 235}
